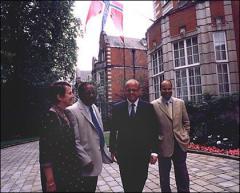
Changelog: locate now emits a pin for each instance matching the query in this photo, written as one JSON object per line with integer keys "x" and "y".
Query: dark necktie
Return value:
{"x": 132, "y": 113}
{"x": 98, "y": 128}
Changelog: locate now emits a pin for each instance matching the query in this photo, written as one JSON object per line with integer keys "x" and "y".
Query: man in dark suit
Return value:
{"x": 133, "y": 137}
{"x": 174, "y": 128}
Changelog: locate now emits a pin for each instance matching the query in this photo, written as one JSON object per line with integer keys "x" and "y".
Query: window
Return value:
{"x": 100, "y": 78}
{"x": 166, "y": 6}
{"x": 157, "y": 70}
{"x": 219, "y": 40}
{"x": 188, "y": 84}
{"x": 187, "y": 70}
{"x": 101, "y": 55}
{"x": 186, "y": 52}
{"x": 157, "y": 61}
{"x": 223, "y": 79}
{"x": 156, "y": 84}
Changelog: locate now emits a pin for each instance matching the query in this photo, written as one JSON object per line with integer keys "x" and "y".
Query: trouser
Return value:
{"x": 180, "y": 168}
{"x": 133, "y": 174}
{"x": 89, "y": 183}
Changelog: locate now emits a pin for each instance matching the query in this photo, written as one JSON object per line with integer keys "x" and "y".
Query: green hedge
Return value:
{"x": 216, "y": 117}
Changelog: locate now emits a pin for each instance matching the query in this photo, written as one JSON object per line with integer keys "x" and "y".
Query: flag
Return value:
{"x": 117, "y": 16}
{"x": 116, "y": 13}
{"x": 95, "y": 8}
{"x": 113, "y": 7}
{"x": 105, "y": 14}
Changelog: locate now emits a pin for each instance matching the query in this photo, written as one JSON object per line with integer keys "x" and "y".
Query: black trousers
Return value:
{"x": 180, "y": 169}
{"x": 133, "y": 173}
{"x": 89, "y": 183}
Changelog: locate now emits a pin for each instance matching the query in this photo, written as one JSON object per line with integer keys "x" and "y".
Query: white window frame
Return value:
{"x": 187, "y": 66}
{"x": 185, "y": 54}
{"x": 229, "y": 84}
{"x": 159, "y": 75}
{"x": 215, "y": 44}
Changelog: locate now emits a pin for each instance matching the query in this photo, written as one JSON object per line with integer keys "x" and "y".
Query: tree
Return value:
{"x": 37, "y": 41}
{"x": 38, "y": 47}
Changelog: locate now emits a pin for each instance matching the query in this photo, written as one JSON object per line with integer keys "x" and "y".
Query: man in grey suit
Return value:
{"x": 174, "y": 128}
{"x": 88, "y": 128}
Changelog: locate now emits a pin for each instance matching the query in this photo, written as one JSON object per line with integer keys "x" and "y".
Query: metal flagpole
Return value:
{"x": 124, "y": 64}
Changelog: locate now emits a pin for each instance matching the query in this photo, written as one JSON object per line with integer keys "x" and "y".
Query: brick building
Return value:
{"x": 116, "y": 63}
{"x": 196, "y": 45}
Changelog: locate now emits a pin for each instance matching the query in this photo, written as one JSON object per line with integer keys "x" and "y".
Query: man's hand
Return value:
{"x": 153, "y": 159}
{"x": 113, "y": 156}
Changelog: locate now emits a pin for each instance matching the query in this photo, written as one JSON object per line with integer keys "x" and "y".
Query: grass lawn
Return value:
{"x": 106, "y": 137}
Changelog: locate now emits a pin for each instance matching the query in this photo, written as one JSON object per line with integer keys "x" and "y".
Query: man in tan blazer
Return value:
{"x": 88, "y": 128}
{"x": 174, "y": 127}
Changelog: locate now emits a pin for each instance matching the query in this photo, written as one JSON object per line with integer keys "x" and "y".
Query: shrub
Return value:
{"x": 215, "y": 121}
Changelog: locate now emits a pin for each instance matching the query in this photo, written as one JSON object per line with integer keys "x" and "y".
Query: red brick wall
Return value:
{"x": 117, "y": 83}
{"x": 186, "y": 17}
{"x": 235, "y": 9}
{"x": 154, "y": 35}
{"x": 116, "y": 56}
{"x": 118, "y": 73}
{"x": 217, "y": 10}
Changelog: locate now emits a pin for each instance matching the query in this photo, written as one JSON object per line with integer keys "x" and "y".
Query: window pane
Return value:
{"x": 190, "y": 60}
{"x": 188, "y": 42}
{"x": 225, "y": 77}
{"x": 196, "y": 59}
{"x": 224, "y": 57}
{"x": 182, "y": 61}
{"x": 177, "y": 63}
{"x": 195, "y": 50}
{"x": 189, "y": 51}
{"x": 224, "y": 67}
{"x": 176, "y": 55}
{"x": 194, "y": 41}
{"x": 175, "y": 46}
{"x": 182, "y": 53}
{"x": 226, "y": 88}
{"x": 181, "y": 44}
{"x": 218, "y": 56}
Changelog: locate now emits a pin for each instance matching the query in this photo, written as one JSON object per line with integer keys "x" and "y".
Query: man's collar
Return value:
{"x": 167, "y": 101}
{"x": 136, "y": 102}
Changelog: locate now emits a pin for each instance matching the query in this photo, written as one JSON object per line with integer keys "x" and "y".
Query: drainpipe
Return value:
{"x": 133, "y": 61}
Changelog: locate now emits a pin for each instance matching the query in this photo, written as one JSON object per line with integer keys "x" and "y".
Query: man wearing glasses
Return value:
{"x": 133, "y": 137}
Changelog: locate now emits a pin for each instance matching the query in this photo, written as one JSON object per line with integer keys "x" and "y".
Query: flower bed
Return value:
{"x": 214, "y": 150}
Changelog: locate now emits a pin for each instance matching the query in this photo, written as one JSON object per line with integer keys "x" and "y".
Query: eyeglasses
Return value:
{"x": 132, "y": 90}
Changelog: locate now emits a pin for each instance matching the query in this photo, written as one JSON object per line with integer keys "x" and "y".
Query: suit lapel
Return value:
{"x": 84, "y": 113}
{"x": 163, "y": 108}
{"x": 174, "y": 110}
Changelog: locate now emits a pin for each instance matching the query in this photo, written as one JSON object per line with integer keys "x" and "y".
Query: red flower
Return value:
{"x": 213, "y": 149}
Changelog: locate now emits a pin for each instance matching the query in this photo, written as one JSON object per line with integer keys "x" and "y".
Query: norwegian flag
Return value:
{"x": 113, "y": 7}
{"x": 95, "y": 8}
{"x": 117, "y": 16}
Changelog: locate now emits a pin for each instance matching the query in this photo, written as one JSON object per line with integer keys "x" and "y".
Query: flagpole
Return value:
{"x": 124, "y": 64}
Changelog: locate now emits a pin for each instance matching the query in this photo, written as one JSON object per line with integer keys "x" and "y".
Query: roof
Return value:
{"x": 133, "y": 43}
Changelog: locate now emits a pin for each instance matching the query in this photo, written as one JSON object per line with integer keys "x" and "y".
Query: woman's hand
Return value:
{"x": 51, "y": 187}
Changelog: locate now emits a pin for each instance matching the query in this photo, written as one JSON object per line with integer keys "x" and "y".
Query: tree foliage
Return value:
{"x": 38, "y": 47}
{"x": 37, "y": 41}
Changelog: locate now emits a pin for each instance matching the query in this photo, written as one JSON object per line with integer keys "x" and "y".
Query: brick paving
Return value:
{"x": 20, "y": 173}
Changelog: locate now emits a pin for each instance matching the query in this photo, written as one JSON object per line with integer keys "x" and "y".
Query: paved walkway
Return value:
{"x": 20, "y": 173}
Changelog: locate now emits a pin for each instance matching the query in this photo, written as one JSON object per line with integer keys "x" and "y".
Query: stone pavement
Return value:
{"x": 20, "y": 173}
